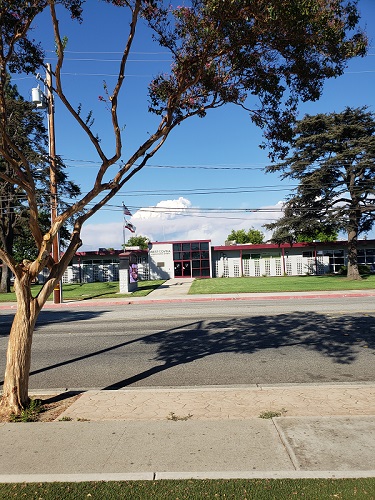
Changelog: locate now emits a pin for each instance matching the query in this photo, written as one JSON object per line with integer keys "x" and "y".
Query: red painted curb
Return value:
{"x": 103, "y": 302}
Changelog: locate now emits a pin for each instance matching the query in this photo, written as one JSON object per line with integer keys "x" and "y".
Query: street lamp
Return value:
{"x": 44, "y": 101}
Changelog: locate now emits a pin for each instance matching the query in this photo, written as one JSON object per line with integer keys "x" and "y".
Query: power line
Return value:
{"x": 107, "y": 52}
{"x": 249, "y": 166}
{"x": 117, "y": 61}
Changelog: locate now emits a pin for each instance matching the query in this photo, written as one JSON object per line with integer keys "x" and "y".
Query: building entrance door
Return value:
{"x": 182, "y": 269}
{"x": 186, "y": 269}
{"x": 177, "y": 269}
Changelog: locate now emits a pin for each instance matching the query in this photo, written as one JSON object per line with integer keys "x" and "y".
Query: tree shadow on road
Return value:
{"x": 50, "y": 317}
{"x": 337, "y": 337}
{"x": 46, "y": 316}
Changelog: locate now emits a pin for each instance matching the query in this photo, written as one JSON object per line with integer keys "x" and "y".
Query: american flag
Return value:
{"x": 126, "y": 210}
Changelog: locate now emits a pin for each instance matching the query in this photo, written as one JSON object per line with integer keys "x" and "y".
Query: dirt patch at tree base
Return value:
{"x": 52, "y": 406}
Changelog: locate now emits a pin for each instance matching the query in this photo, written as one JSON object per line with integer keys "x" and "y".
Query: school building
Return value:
{"x": 199, "y": 259}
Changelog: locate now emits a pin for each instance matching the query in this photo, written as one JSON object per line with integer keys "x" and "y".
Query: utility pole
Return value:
{"x": 57, "y": 292}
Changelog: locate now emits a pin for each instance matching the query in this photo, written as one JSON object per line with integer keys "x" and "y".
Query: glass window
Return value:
{"x": 205, "y": 263}
{"x": 195, "y": 255}
{"x": 186, "y": 255}
{"x": 204, "y": 246}
{"x": 195, "y": 246}
{"x": 176, "y": 247}
{"x": 196, "y": 273}
{"x": 186, "y": 247}
{"x": 307, "y": 254}
{"x": 177, "y": 255}
{"x": 255, "y": 256}
{"x": 205, "y": 255}
{"x": 196, "y": 263}
{"x": 246, "y": 256}
{"x": 205, "y": 272}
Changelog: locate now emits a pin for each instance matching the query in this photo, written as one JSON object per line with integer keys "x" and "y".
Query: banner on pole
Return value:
{"x": 129, "y": 225}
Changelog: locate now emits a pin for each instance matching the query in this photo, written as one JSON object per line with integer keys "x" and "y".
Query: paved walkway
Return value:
{"x": 224, "y": 403}
{"x": 323, "y": 430}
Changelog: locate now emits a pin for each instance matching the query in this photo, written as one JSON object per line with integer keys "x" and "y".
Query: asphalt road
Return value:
{"x": 210, "y": 343}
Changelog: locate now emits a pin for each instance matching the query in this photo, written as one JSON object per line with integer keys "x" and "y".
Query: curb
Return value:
{"x": 158, "y": 476}
{"x": 197, "y": 298}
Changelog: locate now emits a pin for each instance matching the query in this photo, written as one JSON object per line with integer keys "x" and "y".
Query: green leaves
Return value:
{"x": 253, "y": 236}
{"x": 264, "y": 56}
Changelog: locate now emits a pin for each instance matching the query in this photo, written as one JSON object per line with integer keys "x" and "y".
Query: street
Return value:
{"x": 202, "y": 343}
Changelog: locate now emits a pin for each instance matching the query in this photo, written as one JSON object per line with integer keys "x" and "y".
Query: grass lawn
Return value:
{"x": 241, "y": 489}
{"x": 109, "y": 290}
{"x": 85, "y": 291}
{"x": 280, "y": 284}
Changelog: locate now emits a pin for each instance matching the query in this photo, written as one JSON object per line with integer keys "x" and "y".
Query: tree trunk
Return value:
{"x": 16, "y": 380}
{"x": 353, "y": 271}
{"x": 5, "y": 279}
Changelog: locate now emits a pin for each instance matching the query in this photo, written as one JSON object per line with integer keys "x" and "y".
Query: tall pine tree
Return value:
{"x": 333, "y": 159}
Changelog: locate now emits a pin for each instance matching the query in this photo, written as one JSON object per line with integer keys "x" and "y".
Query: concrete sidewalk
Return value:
{"x": 200, "y": 432}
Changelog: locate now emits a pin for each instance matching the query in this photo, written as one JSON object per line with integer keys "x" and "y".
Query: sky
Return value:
{"x": 208, "y": 178}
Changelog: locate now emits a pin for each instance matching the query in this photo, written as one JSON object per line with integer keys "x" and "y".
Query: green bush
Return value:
{"x": 362, "y": 268}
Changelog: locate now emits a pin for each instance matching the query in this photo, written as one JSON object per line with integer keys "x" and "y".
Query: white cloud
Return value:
{"x": 95, "y": 236}
{"x": 167, "y": 209}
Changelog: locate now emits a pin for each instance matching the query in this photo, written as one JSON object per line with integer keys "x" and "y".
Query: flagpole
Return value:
{"x": 123, "y": 226}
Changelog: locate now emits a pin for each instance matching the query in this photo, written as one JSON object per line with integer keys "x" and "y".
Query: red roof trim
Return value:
{"x": 286, "y": 246}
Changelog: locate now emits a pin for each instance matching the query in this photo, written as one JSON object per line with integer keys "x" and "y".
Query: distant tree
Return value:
{"x": 138, "y": 241}
{"x": 253, "y": 236}
{"x": 265, "y": 56}
{"x": 285, "y": 234}
{"x": 333, "y": 158}
{"x": 24, "y": 244}
{"x": 28, "y": 131}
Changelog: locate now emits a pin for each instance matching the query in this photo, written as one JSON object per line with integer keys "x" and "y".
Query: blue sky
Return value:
{"x": 210, "y": 169}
